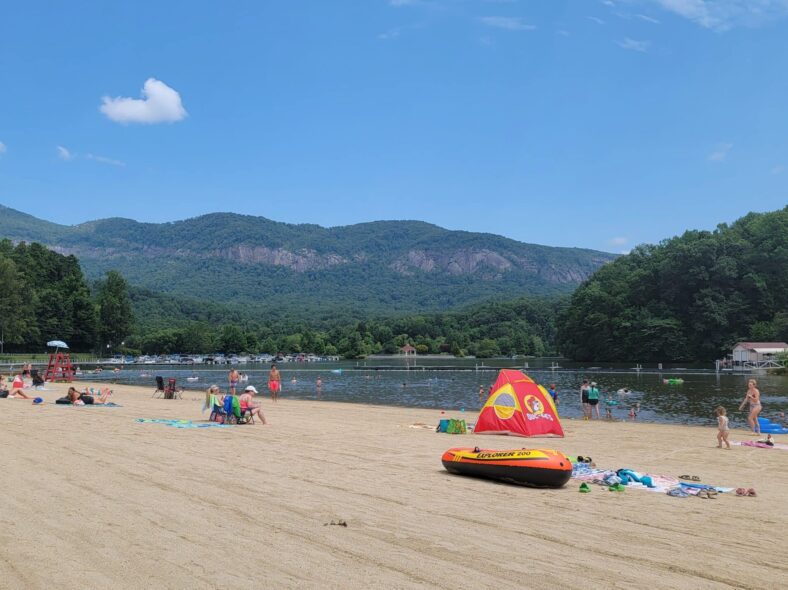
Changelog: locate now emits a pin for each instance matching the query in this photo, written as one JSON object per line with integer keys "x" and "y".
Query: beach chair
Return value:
{"x": 218, "y": 414}
{"x": 247, "y": 417}
{"x": 172, "y": 391}
{"x": 159, "y": 387}
{"x": 233, "y": 411}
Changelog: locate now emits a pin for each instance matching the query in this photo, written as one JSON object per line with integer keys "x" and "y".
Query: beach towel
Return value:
{"x": 694, "y": 488}
{"x": 181, "y": 423}
{"x": 66, "y": 403}
{"x": 760, "y": 445}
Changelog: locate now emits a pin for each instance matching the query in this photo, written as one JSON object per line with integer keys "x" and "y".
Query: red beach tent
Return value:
{"x": 518, "y": 406}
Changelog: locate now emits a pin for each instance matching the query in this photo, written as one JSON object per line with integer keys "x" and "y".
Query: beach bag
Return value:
{"x": 443, "y": 425}
{"x": 456, "y": 427}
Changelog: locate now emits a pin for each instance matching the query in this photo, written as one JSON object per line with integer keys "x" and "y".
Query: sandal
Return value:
{"x": 703, "y": 494}
{"x": 741, "y": 492}
{"x": 751, "y": 492}
{"x": 689, "y": 477}
{"x": 584, "y": 489}
{"x": 712, "y": 494}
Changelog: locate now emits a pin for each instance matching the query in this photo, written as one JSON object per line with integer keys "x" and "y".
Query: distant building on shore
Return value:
{"x": 757, "y": 353}
{"x": 408, "y": 350}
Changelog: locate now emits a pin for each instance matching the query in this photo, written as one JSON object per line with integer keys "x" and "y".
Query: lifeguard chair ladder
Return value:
{"x": 59, "y": 368}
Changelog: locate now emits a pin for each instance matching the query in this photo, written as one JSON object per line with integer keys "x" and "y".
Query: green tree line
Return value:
{"x": 44, "y": 296}
{"x": 688, "y": 298}
{"x": 523, "y": 327}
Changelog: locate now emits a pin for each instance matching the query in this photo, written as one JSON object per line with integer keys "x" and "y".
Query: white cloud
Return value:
{"x": 67, "y": 156}
{"x": 403, "y": 2}
{"x": 632, "y": 45}
{"x": 3, "y": 148}
{"x": 608, "y": 3}
{"x": 648, "y": 19}
{"x": 509, "y": 23}
{"x": 618, "y": 241}
{"x": 390, "y": 34}
{"x": 64, "y": 154}
{"x": 722, "y": 15}
{"x": 720, "y": 153}
{"x": 160, "y": 104}
{"x": 104, "y": 160}
{"x": 779, "y": 169}
{"x": 596, "y": 19}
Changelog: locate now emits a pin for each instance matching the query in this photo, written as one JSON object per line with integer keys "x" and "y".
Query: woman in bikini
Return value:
{"x": 753, "y": 396}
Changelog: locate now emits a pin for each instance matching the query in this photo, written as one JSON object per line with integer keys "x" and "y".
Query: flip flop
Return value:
{"x": 584, "y": 489}
{"x": 751, "y": 492}
{"x": 711, "y": 494}
{"x": 703, "y": 494}
{"x": 741, "y": 492}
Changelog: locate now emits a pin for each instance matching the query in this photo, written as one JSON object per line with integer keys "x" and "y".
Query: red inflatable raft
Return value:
{"x": 531, "y": 467}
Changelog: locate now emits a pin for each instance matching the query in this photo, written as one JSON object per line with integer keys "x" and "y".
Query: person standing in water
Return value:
{"x": 274, "y": 382}
{"x": 233, "y": 377}
{"x": 482, "y": 398}
{"x": 319, "y": 386}
{"x": 753, "y": 396}
{"x": 584, "y": 399}
{"x": 593, "y": 401}
{"x": 553, "y": 391}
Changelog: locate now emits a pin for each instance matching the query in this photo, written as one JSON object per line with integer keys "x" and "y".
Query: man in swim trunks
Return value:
{"x": 274, "y": 382}
{"x": 233, "y": 377}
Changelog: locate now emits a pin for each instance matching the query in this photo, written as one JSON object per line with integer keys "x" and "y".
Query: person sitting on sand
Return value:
{"x": 13, "y": 393}
{"x": 723, "y": 429}
{"x": 18, "y": 382}
{"x": 246, "y": 402}
{"x": 753, "y": 396}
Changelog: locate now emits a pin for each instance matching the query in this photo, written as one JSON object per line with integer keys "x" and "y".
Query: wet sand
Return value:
{"x": 94, "y": 499}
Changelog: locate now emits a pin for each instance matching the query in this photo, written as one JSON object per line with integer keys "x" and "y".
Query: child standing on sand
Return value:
{"x": 723, "y": 430}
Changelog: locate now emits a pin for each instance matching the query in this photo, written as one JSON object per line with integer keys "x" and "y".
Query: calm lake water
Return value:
{"x": 428, "y": 386}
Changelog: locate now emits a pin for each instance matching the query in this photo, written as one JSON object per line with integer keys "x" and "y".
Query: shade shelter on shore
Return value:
{"x": 518, "y": 406}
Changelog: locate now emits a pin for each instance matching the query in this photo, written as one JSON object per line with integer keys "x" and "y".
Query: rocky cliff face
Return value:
{"x": 490, "y": 264}
{"x": 382, "y": 265}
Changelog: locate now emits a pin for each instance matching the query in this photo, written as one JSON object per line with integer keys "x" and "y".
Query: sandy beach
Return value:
{"x": 94, "y": 499}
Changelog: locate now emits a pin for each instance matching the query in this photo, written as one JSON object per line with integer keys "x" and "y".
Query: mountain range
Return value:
{"x": 382, "y": 266}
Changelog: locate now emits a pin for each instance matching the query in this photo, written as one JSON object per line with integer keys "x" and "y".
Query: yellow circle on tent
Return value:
{"x": 504, "y": 405}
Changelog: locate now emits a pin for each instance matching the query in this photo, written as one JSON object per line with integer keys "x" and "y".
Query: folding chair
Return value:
{"x": 159, "y": 387}
{"x": 172, "y": 391}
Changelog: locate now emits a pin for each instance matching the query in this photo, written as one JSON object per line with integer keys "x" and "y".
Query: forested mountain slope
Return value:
{"x": 373, "y": 267}
{"x": 688, "y": 298}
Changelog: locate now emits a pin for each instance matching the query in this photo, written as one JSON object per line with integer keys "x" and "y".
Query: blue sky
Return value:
{"x": 599, "y": 124}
